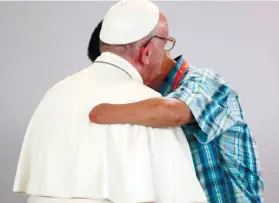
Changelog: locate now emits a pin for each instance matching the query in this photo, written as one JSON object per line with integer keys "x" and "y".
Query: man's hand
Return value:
{"x": 155, "y": 112}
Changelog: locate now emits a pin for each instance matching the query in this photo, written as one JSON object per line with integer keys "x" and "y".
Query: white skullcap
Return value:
{"x": 129, "y": 21}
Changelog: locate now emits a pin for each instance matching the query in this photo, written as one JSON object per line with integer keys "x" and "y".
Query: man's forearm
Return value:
{"x": 155, "y": 112}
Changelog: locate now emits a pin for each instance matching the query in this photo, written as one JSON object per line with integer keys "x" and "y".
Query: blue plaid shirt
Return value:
{"x": 224, "y": 151}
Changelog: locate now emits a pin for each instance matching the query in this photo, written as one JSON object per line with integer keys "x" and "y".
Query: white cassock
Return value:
{"x": 66, "y": 156}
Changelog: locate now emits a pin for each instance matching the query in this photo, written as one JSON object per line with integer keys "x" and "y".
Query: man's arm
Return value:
{"x": 156, "y": 112}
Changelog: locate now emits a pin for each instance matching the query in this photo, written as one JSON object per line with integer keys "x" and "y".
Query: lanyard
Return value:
{"x": 176, "y": 81}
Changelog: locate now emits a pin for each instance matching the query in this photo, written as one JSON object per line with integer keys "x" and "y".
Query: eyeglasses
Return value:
{"x": 169, "y": 44}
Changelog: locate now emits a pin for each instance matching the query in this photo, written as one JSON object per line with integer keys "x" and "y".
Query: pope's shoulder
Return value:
{"x": 81, "y": 84}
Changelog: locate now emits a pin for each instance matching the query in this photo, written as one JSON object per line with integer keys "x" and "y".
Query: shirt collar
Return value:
{"x": 166, "y": 87}
{"x": 119, "y": 62}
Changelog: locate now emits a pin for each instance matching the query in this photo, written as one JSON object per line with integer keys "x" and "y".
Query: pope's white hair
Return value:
{"x": 130, "y": 49}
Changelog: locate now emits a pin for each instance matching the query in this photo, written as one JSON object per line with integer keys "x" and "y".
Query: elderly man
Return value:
{"x": 67, "y": 159}
{"x": 224, "y": 152}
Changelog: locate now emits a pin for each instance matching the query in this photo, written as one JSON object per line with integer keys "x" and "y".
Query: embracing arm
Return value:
{"x": 156, "y": 112}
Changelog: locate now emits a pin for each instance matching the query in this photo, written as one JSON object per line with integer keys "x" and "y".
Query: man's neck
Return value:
{"x": 166, "y": 68}
{"x": 174, "y": 77}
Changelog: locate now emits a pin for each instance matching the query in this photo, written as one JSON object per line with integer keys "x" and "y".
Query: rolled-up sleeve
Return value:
{"x": 215, "y": 105}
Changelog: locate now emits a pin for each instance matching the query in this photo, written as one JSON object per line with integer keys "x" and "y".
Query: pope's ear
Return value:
{"x": 145, "y": 54}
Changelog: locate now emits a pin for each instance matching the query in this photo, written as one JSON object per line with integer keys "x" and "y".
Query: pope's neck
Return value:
{"x": 144, "y": 75}
{"x": 136, "y": 65}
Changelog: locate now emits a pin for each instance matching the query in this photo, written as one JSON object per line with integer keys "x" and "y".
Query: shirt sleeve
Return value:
{"x": 215, "y": 105}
